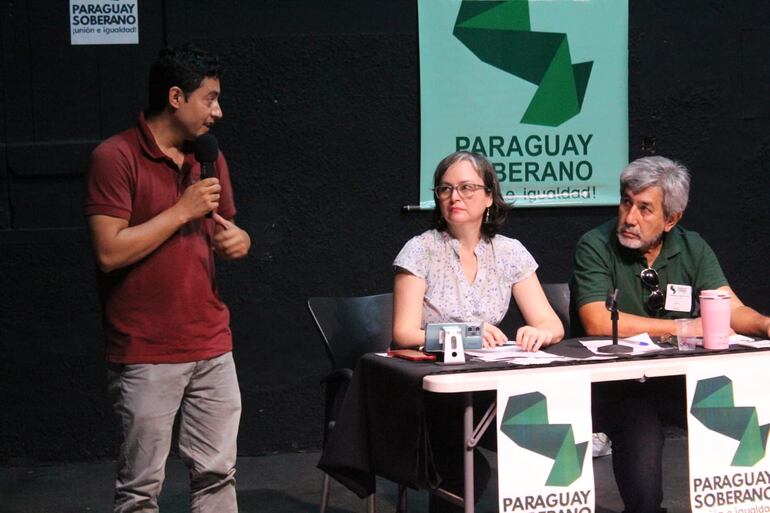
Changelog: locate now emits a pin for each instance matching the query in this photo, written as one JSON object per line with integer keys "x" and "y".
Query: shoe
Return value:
{"x": 602, "y": 445}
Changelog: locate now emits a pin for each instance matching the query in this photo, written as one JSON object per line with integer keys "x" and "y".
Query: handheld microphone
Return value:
{"x": 206, "y": 152}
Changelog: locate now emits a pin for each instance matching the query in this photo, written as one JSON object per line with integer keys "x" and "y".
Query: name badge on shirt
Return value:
{"x": 678, "y": 298}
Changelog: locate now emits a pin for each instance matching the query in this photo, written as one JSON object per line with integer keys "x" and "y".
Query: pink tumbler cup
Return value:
{"x": 715, "y": 316}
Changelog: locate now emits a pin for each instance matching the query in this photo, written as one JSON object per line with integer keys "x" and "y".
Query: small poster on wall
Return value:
{"x": 104, "y": 22}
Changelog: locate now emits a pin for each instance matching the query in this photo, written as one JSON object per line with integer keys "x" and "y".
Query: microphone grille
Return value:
{"x": 206, "y": 148}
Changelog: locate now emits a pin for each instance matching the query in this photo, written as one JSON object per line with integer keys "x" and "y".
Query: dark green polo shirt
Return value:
{"x": 603, "y": 264}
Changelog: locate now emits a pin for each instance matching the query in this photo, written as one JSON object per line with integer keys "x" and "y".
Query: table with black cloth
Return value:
{"x": 382, "y": 427}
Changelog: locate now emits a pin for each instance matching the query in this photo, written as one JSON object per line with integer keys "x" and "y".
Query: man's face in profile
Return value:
{"x": 641, "y": 219}
{"x": 198, "y": 111}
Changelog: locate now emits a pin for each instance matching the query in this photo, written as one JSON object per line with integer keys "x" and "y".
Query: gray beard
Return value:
{"x": 638, "y": 244}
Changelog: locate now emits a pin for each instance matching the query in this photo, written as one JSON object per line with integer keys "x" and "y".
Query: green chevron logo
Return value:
{"x": 713, "y": 405}
{"x": 525, "y": 422}
{"x": 498, "y": 32}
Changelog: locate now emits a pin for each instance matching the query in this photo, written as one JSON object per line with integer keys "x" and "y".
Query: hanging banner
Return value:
{"x": 727, "y": 422}
{"x": 539, "y": 87}
{"x": 543, "y": 435}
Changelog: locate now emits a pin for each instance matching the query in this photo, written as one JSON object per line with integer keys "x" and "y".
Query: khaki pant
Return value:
{"x": 146, "y": 398}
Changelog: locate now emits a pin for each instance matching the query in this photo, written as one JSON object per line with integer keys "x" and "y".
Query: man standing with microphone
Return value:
{"x": 168, "y": 340}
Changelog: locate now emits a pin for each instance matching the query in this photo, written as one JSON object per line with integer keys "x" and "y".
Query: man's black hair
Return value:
{"x": 183, "y": 66}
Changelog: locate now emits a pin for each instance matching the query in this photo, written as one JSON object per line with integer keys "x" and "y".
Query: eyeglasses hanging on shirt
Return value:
{"x": 651, "y": 280}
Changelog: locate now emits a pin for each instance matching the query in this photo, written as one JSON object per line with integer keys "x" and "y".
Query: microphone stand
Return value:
{"x": 612, "y": 305}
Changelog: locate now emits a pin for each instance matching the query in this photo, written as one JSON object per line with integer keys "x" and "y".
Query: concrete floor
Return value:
{"x": 281, "y": 483}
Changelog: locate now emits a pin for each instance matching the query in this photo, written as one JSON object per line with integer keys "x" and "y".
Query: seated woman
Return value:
{"x": 463, "y": 271}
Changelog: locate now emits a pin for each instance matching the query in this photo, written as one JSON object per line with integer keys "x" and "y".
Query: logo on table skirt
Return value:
{"x": 525, "y": 422}
{"x": 499, "y": 34}
{"x": 714, "y": 406}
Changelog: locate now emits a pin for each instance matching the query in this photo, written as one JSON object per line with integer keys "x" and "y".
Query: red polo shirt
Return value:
{"x": 164, "y": 308}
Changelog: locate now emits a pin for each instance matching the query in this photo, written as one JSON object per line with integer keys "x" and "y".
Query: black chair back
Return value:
{"x": 353, "y": 326}
{"x": 558, "y": 296}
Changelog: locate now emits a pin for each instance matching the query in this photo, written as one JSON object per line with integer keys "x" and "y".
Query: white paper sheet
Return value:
{"x": 514, "y": 352}
{"x": 750, "y": 342}
{"x": 640, "y": 344}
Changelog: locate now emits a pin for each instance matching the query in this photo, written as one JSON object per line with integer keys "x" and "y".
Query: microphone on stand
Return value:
{"x": 611, "y": 304}
{"x": 206, "y": 152}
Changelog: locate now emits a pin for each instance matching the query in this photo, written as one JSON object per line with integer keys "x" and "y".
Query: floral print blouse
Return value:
{"x": 435, "y": 257}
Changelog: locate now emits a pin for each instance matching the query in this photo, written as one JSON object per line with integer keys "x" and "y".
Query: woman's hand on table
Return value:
{"x": 493, "y": 336}
{"x": 532, "y": 339}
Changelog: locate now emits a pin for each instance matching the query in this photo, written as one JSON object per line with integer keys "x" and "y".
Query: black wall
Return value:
{"x": 321, "y": 103}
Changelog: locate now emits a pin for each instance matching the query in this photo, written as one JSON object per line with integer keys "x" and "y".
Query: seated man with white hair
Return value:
{"x": 642, "y": 253}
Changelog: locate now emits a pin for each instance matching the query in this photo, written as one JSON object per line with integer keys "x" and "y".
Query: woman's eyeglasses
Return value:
{"x": 650, "y": 280}
{"x": 465, "y": 190}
